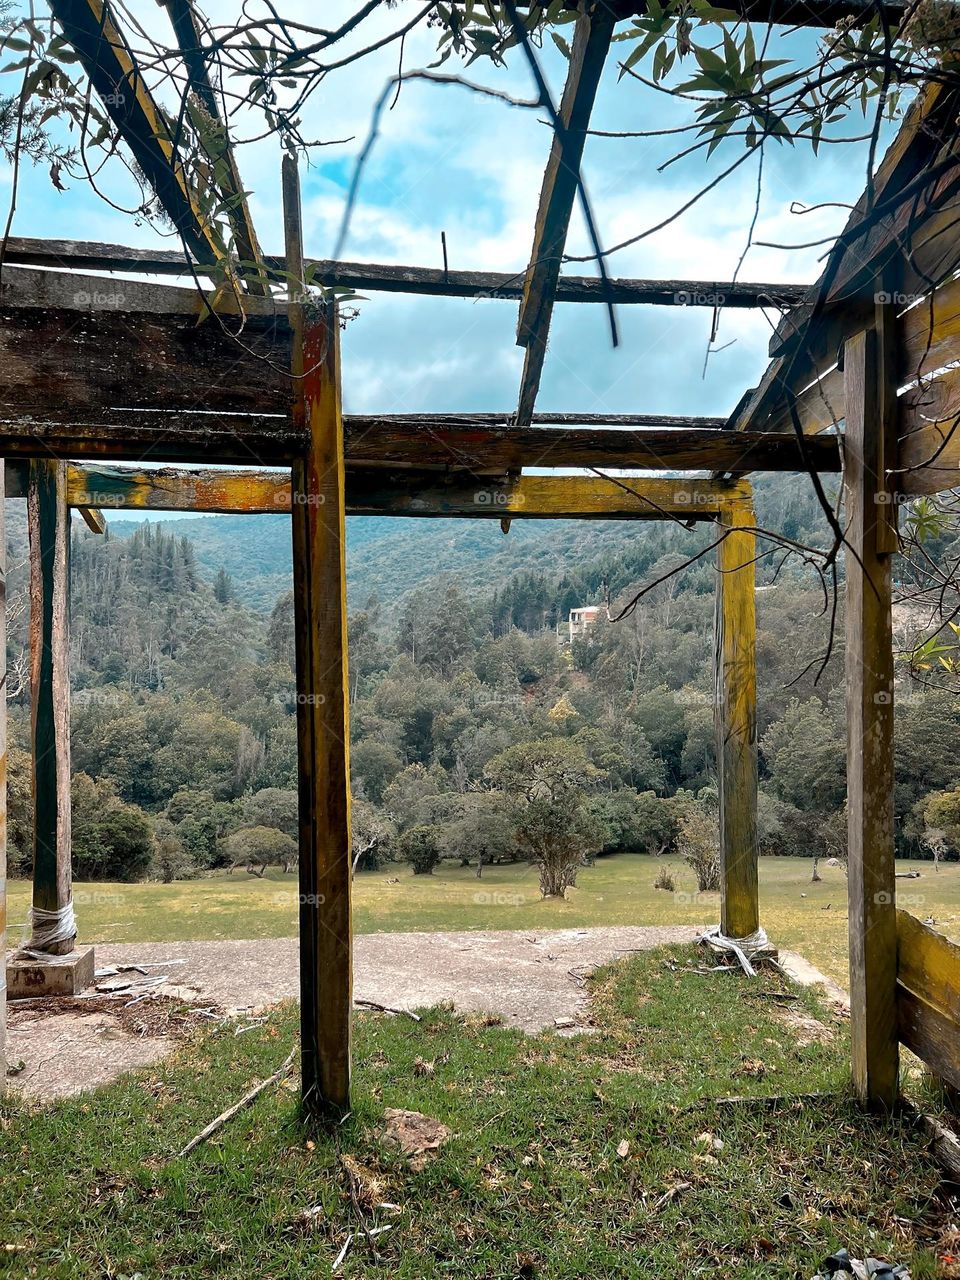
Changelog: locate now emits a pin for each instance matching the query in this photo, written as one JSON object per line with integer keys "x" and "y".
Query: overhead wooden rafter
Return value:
{"x": 109, "y": 62}
{"x": 84, "y": 255}
{"x": 561, "y": 182}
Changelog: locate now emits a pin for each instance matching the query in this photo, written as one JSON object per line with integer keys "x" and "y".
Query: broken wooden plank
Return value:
{"x": 561, "y": 182}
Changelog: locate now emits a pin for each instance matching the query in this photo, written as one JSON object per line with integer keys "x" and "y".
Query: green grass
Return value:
{"x": 530, "y": 1183}
{"x": 618, "y": 890}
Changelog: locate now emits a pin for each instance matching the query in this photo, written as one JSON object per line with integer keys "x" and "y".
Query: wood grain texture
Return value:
{"x": 928, "y": 996}
{"x": 381, "y": 492}
{"x": 736, "y": 719}
{"x": 446, "y": 443}
{"x": 928, "y": 964}
{"x": 375, "y": 277}
{"x": 323, "y": 732}
{"x": 870, "y": 771}
{"x": 48, "y": 524}
{"x": 929, "y": 1033}
{"x": 75, "y": 363}
{"x": 929, "y": 441}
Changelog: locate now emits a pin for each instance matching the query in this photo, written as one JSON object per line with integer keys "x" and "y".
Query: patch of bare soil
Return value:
{"x": 529, "y": 979}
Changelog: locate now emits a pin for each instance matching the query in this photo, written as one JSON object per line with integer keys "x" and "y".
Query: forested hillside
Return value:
{"x": 184, "y": 745}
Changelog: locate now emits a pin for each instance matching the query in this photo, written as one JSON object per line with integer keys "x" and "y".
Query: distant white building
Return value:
{"x": 581, "y": 620}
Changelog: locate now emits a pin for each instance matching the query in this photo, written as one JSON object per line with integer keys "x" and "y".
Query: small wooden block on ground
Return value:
{"x": 56, "y": 976}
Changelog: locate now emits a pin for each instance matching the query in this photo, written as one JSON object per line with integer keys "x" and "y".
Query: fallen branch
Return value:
{"x": 762, "y": 1101}
{"x": 225, "y": 1116}
{"x": 386, "y": 1008}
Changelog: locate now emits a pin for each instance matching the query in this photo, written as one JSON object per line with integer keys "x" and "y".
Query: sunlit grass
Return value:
{"x": 601, "y": 1155}
{"x": 618, "y": 890}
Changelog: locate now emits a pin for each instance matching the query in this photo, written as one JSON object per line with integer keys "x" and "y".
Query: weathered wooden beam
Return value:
{"x": 49, "y": 530}
{"x": 323, "y": 731}
{"x": 369, "y": 277}
{"x": 481, "y": 443}
{"x": 69, "y": 346}
{"x": 736, "y": 717}
{"x": 108, "y": 61}
{"x": 94, "y": 519}
{"x": 382, "y": 492}
{"x": 477, "y": 444}
{"x": 870, "y": 770}
{"x": 187, "y": 30}
{"x": 561, "y": 180}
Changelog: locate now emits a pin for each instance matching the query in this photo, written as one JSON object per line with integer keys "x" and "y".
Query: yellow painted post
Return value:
{"x": 871, "y": 882}
{"x": 319, "y": 576}
{"x": 736, "y": 714}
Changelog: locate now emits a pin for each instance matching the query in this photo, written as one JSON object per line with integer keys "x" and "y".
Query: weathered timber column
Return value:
{"x": 49, "y": 528}
{"x": 3, "y": 786}
{"x": 319, "y": 576}
{"x": 736, "y": 712}
{"x": 871, "y": 883}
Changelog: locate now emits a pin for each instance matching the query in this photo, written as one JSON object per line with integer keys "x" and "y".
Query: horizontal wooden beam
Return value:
{"x": 75, "y": 348}
{"x": 479, "y": 444}
{"x": 407, "y": 494}
{"x": 83, "y": 255}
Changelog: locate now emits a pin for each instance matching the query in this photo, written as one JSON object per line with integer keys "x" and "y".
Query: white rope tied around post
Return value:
{"x": 744, "y": 949}
{"x": 50, "y": 927}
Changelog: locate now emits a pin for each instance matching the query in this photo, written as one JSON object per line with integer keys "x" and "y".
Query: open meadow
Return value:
{"x": 797, "y": 914}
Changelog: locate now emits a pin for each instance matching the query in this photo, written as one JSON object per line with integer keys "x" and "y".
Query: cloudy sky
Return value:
{"x": 448, "y": 161}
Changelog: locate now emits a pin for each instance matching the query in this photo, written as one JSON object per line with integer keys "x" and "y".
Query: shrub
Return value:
{"x": 420, "y": 846}
{"x": 664, "y": 880}
{"x": 700, "y": 844}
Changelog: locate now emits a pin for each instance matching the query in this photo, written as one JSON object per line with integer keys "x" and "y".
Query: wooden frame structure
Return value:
{"x": 849, "y": 350}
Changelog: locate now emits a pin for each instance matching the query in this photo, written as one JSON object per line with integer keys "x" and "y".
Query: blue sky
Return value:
{"x": 450, "y": 162}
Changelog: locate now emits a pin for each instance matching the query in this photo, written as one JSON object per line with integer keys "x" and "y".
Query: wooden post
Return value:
{"x": 736, "y": 711}
{"x": 869, "y": 675}
{"x": 3, "y": 789}
{"x": 49, "y": 529}
{"x": 319, "y": 576}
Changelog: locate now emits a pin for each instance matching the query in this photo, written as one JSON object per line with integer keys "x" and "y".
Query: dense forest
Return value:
{"x": 478, "y": 732}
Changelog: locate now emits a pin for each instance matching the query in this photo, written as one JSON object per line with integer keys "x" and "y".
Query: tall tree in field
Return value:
{"x": 547, "y": 784}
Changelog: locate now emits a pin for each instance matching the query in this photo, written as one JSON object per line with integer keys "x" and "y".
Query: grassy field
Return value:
{"x": 599, "y": 1155}
{"x": 618, "y": 890}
